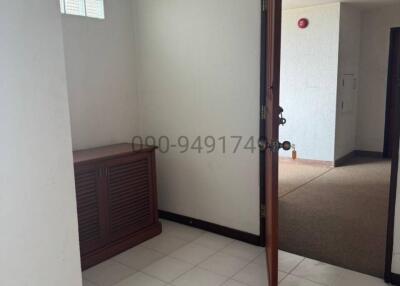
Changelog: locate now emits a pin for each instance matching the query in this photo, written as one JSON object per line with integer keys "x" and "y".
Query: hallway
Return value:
{"x": 336, "y": 215}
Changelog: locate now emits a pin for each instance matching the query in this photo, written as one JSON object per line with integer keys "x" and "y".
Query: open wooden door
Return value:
{"x": 273, "y": 10}
{"x": 393, "y": 89}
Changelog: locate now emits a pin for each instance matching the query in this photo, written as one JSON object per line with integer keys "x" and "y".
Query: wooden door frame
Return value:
{"x": 269, "y": 130}
{"x": 389, "y": 276}
{"x": 263, "y": 84}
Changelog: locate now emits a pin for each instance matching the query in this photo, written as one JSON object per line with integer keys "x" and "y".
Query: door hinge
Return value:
{"x": 263, "y": 112}
{"x": 264, "y": 5}
{"x": 263, "y": 211}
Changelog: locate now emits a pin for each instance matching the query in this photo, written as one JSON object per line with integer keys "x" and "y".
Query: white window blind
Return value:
{"x": 87, "y": 8}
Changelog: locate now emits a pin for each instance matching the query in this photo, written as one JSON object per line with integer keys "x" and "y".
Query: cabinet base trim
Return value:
{"x": 117, "y": 247}
{"x": 214, "y": 228}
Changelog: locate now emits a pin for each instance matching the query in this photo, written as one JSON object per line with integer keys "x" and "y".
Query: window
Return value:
{"x": 87, "y": 8}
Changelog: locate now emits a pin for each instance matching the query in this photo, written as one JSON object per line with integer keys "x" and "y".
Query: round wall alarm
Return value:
{"x": 303, "y": 23}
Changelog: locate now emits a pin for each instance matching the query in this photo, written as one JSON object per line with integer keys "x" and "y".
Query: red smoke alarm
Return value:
{"x": 303, "y": 23}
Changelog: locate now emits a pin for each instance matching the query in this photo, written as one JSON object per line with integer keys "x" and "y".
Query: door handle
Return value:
{"x": 282, "y": 120}
{"x": 274, "y": 146}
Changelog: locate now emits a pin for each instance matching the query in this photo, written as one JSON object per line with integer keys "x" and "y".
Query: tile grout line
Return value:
{"x": 241, "y": 269}
{"x": 294, "y": 268}
{"x": 315, "y": 282}
{"x": 298, "y": 264}
{"x": 194, "y": 265}
{"x": 198, "y": 265}
{"x": 168, "y": 255}
{"x": 217, "y": 252}
{"x": 164, "y": 254}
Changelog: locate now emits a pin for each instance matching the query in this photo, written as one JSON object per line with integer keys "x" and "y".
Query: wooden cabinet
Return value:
{"x": 116, "y": 200}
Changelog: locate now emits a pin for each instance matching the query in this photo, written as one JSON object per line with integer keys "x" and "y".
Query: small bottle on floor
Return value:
{"x": 294, "y": 152}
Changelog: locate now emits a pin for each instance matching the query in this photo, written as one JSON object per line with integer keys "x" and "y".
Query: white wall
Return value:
{"x": 39, "y": 237}
{"x": 199, "y": 76}
{"x": 309, "y": 80}
{"x": 373, "y": 82}
{"x": 101, "y": 76}
{"x": 349, "y": 62}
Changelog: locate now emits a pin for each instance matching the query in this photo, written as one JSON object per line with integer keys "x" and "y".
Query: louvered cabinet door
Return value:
{"x": 88, "y": 195}
{"x": 130, "y": 195}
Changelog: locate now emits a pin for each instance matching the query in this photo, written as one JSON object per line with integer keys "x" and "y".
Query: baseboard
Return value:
{"x": 337, "y": 163}
{"x": 307, "y": 161}
{"x": 372, "y": 154}
{"x": 360, "y": 153}
{"x": 346, "y": 158}
{"x": 214, "y": 228}
{"x": 393, "y": 279}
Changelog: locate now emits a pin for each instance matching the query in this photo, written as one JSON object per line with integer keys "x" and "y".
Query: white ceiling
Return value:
{"x": 290, "y": 4}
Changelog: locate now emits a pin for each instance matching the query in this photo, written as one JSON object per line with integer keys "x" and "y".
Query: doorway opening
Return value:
{"x": 334, "y": 187}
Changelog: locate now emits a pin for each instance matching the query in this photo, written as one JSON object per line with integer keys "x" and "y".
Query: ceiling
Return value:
{"x": 364, "y": 4}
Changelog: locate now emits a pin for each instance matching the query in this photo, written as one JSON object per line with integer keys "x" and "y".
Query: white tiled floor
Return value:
{"x": 184, "y": 256}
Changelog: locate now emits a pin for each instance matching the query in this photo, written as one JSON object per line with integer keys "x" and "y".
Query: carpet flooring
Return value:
{"x": 336, "y": 215}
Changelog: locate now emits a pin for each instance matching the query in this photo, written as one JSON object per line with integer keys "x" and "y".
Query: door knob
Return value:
{"x": 274, "y": 146}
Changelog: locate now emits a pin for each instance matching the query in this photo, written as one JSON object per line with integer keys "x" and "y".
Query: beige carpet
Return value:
{"x": 294, "y": 174}
{"x": 336, "y": 215}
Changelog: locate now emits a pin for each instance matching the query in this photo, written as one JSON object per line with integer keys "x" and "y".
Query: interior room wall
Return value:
{"x": 39, "y": 239}
{"x": 199, "y": 76}
{"x": 376, "y": 25}
{"x": 101, "y": 76}
{"x": 309, "y": 76}
{"x": 349, "y": 62}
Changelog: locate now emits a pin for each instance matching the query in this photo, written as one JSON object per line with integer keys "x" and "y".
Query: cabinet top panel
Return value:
{"x": 123, "y": 149}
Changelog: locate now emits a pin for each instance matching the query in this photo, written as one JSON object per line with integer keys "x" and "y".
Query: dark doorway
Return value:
{"x": 393, "y": 94}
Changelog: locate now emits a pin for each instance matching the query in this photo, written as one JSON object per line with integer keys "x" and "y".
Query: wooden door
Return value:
{"x": 393, "y": 94}
{"x": 131, "y": 191}
{"x": 89, "y": 185}
{"x": 273, "y": 46}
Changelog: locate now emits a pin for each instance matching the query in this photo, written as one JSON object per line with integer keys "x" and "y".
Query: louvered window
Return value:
{"x": 86, "y": 8}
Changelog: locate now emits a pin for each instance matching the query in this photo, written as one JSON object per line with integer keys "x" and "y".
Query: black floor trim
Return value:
{"x": 393, "y": 278}
{"x": 211, "y": 227}
{"x": 372, "y": 154}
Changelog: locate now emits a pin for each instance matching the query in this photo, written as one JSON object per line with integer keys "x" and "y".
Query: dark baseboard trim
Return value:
{"x": 373, "y": 154}
{"x": 214, "y": 228}
{"x": 360, "y": 153}
{"x": 393, "y": 279}
{"x": 343, "y": 160}
{"x": 307, "y": 161}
